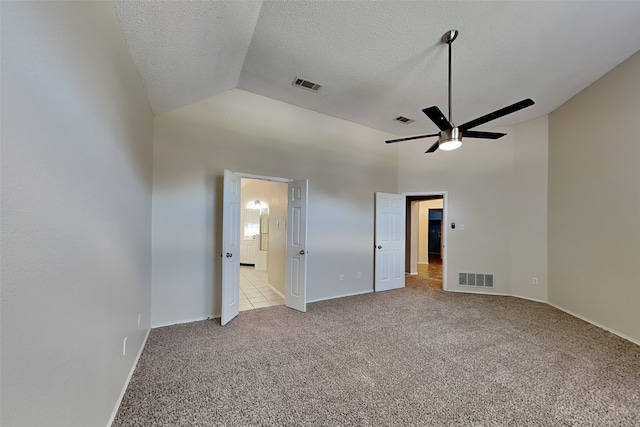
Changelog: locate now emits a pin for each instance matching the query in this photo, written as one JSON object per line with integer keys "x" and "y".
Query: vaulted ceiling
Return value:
{"x": 377, "y": 60}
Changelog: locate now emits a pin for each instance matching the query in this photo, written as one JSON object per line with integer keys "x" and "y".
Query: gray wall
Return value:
{"x": 344, "y": 162}
{"x": 594, "y": 201}
{"x": 76, "y": 210}
{"x": 497, "y": 190}
{"x": 78, "y": 234}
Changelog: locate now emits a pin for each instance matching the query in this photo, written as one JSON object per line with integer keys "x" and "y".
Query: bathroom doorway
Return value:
{"x": 294, "y": 226}
{"x": 263, "y": 219}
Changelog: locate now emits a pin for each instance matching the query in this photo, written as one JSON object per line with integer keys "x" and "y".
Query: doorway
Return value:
{"x": 295, "y": 229}
{"x": 426, "y": 239}
{"x": 434, "y": 243}
{"x": 263, "y": 245}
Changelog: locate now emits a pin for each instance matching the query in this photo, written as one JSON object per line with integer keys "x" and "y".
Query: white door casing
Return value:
{"x": 296, "y": 275}
{"x": 389, "y": 240}
{"x": 230, "y": 247}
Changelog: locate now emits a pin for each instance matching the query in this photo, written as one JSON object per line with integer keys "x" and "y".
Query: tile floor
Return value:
{"x": 255, "y": 291}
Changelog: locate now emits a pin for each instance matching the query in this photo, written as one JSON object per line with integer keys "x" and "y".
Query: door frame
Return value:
{"x": 445, "y": 228}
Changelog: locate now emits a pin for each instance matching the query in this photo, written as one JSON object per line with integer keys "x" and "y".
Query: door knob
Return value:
{"x": 302, "y": 252}
{"x": 229, "y": 254}
{"x": 379, "y": 246}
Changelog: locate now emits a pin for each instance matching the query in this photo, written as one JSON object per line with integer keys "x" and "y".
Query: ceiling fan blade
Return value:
{"x": 409, "y": 138}
{"x": 479, "y": 134}
{"x": 434, "y": 147}
{"x": 497, "y": 114}
{"x": 438, "y": 118}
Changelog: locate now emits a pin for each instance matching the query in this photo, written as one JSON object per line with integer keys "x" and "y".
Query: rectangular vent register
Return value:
{"x": 306, "y": 84}
{"x": 478, "y": 280}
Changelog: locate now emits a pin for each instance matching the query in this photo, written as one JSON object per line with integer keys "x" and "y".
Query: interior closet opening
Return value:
{"x": 263, "y": 237}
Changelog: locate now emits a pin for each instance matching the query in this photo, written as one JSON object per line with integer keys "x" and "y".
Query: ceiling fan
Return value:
{"x": 450, "y": 136}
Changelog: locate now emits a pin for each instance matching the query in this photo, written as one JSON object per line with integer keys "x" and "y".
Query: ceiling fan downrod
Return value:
{"x": 448, "y": 38}
{"x": 450, "y": 136}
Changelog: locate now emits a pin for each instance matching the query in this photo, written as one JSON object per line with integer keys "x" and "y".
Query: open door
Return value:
{"x": 389, "y": 241}
{"x": 296, "y": 275}
{"x": 230, "y": 247}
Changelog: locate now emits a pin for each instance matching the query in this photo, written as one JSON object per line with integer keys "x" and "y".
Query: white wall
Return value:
{"x": 76, "y": 209}
{"x": 594, "y": 202}
{"x": 344, "y": 162}
{"x": 483, "y": 184}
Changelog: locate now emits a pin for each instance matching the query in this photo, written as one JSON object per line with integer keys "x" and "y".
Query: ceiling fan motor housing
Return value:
{"x": 450, "y": 139}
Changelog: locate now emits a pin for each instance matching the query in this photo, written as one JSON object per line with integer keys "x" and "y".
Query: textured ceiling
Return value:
{"x": 187, "y": 51}
{"x": 378, "y": 60}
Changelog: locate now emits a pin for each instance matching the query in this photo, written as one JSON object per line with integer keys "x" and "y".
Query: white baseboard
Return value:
{"x": 341, "y": 296}
{"x": 636, "y": 342}
{"x": 179, "y": 322}
{"x": 613, "y": 331}
{"x": 277, "y": 291}
{"x": 462, "y": 291}
{"x": 532, "y": 299}
{"x": 500, "y": 294}
{"x": 126, "y": 384}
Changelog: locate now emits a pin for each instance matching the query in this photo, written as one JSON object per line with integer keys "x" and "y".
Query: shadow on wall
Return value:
{"x": 215, "y": 185}
{"x": 329, "y": 159}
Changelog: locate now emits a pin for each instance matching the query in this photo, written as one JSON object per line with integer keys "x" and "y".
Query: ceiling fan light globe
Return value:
{"x": 450, "y": 145}
{"x": 450, "y": 139}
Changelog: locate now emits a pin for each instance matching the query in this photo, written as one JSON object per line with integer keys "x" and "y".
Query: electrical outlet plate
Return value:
{"x": 535, "y": 281}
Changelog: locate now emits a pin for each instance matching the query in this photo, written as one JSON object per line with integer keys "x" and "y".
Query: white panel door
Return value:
{"x": 389, "y": 241}
{"x": 296, "y": 275}
{"x": 230, "y": 247}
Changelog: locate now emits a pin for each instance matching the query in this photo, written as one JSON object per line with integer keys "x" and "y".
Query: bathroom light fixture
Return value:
{"x": 257, "y": 204}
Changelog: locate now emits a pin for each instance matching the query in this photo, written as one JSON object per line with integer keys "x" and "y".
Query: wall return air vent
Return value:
{"x": 478, "y": 280}
{"x": 306, "y": 84}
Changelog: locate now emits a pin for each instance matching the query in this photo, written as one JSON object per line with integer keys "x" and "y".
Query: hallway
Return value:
{"x": 429, "y": 275}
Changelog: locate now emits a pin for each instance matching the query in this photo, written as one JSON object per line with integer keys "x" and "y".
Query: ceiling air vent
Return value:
{"x": 404, "y": 120}
{"x": 306, "y": 84}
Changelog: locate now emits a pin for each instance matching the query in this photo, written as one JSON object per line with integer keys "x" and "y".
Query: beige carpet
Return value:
{"x": 416, "y": 356}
